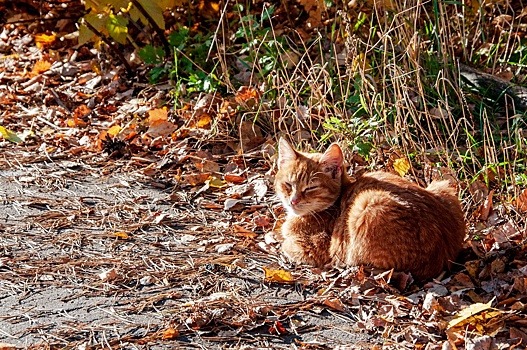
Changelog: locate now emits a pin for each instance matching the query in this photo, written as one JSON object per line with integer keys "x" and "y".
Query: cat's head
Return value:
{"x": 308, "y": 183}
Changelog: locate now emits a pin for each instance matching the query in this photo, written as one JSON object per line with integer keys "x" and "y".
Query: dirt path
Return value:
{"x": 99, "y": 257}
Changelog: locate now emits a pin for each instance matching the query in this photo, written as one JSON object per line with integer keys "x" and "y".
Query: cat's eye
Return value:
{"x": 310, "y": 188}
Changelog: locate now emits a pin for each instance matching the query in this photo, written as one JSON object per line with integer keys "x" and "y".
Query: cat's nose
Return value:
{"x": 295, "y": 200}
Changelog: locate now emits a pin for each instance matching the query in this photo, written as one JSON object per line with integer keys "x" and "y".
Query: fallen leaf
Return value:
{"x": 216, "y": 183}
{"x": 155, "y": 115}
{"x": 247, "y": 95}
{"x": 241, "y": 231}
{"x": 521, "y": 202}
{"x": 40, "y": 67}
{"x": 121, "y": 235}
{"x": 108, "y": 275}
{"x": 81, "y": 111}
{"x": 170, "y": 334}
{"x": 277, "y": 275}
{"x": 464, "y": 314}
{"x": 230, "y": 203}
{"x": 224, "y": 248}
{"x": 277, "y": 328}
{"x": 76, "y": 122}
{"x": 401, "y": 166}
{"x": 484, "y": 210}
{"x": 160, "y": 128}
{"x": 203, "y": 121}
{"x": 44, "y": 40}
{"x": 114, "y": 130}
{"x": 9, "y": 135}
{"x": 335, "y": 304}
{"x": 233, "y": 178}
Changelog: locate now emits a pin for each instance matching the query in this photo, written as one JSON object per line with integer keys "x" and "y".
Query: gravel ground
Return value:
{"x": 100, "y": 257}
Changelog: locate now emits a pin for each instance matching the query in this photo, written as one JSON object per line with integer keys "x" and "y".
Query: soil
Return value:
{"x": 176, "y": 276}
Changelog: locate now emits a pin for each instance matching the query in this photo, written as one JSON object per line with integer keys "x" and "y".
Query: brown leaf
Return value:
{"x": 233, "y": 178}
{"x": 121, "y": 235}
{"x": 202, "y": 122}
{"x": 76, "y": 122}
{"x": 277, "y": 328}
{"x": 157, "y": 114}
{"x": 482, "y": 213}
{"x": 521, "y": 202}
{"x": 161, "y": 128}
{"x": 241, "y": 231}
{"x": 515, "y": 333}
{"x": 248, "y": 96}
{"x": 335, "y": 304}
{"x": 81, "y": 111}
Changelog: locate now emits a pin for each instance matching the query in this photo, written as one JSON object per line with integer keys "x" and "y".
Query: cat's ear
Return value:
{"x": 332, "y": 160}
{"x": 286, "y": 152}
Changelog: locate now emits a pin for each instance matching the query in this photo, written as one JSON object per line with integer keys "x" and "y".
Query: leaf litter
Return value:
{"x": 171, "y": 228}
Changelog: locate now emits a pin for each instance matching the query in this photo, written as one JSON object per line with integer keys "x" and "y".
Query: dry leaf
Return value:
{"x": 335, "y": 304}
{"x": 44, "y": 40}
{"x": 278, "y": 276}
{"x": 277, "y": 328}
{"x": 157, "y": 114}
{"x": 216, "y": 183}
{"x": 521, "y": 202}
{"x": 121, "y": 235}
{"x": 241, "y": 231}
{"x": 81, "y": 111}
{"x": 40, "y": 67}
{"x": 161, "y": 128}
{"x": 480, "y": 318}
{"x": 170, "y": 334}
{"x": 248, "y": 96}
{"x": 401, "y": 165}
{"x": 114, "y": 130}
{"x": 484, "y": 210}
{"x": 108, "y": 275}
{"x": 230, "y": 203}
{"x": 203, "y": 122}
{"x": 233, "y": 178}
{"x": 9, "y": 135}
{"x": 76, "y": 122}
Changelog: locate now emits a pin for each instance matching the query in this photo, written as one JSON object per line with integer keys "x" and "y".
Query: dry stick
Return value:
{"x": 110, "y": 45}
{"x": 159, "y": 31}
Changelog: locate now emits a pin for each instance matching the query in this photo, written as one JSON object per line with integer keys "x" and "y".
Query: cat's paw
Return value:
{"x": 293, "y": 251}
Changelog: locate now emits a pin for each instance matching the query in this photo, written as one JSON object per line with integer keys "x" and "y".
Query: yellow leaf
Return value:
{"x": 203, "y": 121}
{"x": 278, "y": 276}
{"x": 40, "y": 67}
{"x": 155, "y": 12}
{"x": 468, "y": 312}
{"x": 9, "y": 135}
{"x": 114, "y": 130}
{"x": 121, "y": 235}
{"x": 401, "y": 165}
{"x": 216, "y": 183}
{"x": 44, "y": 40}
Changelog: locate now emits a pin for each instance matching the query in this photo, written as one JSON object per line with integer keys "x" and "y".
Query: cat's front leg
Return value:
{"x": 293, "y": 251}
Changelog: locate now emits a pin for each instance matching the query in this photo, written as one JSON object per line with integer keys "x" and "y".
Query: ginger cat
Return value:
{"x": 380, "y": 220}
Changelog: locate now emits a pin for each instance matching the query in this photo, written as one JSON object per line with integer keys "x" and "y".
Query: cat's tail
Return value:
{"x": 442, "y": 188}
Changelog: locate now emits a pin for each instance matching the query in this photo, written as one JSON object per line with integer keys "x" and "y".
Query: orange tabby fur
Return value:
{"x": 380, "y": 220}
